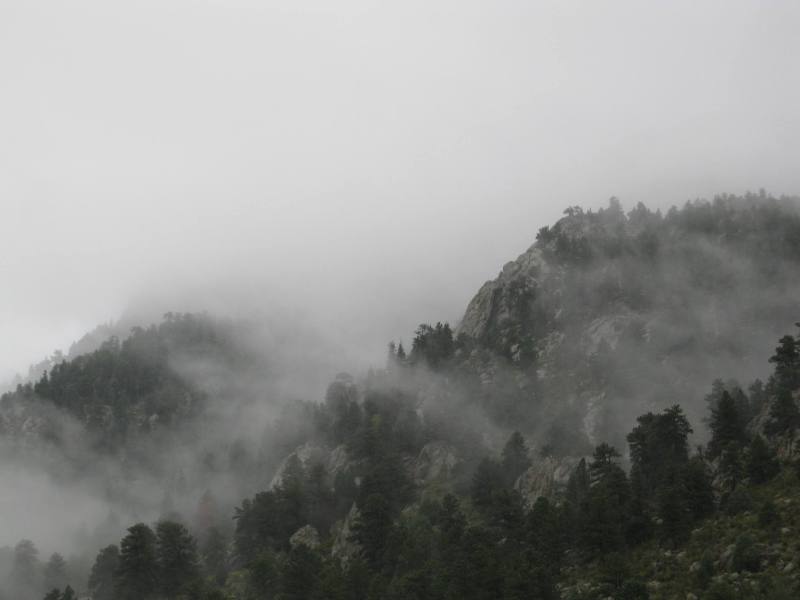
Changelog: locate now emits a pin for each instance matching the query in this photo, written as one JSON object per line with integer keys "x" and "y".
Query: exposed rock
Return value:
{"x": 606, "y": 331}
{"x": 497, "y": 303}
{"x": 309, "y": 455}
{"x": 338, "y": 461}
{"x": 344, "y": 547}
{"x": 546, "y": 478}
{"x": 306, "y": 536}
{"x": 436, "y": 461}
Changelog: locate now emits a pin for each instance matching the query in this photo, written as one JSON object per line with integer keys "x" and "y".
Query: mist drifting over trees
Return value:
{"x": 411, "y": 301}
{"x": 559, "y": 418}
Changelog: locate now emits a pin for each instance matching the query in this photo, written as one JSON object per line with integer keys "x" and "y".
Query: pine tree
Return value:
{"x": 215, "y": 555}
{"x": 372, "y": 528}
{"x": 761, "y": 464}
{"x": 301, "y": 574}
{"x": 137, "y": 575}
{"x": 787, "y": 364}
{"x": 55, "y": 575}
{"x": 578, "y": 484}
{"x": 69, "y": 594}
{"x": 101, "y": 579}
{"x": 486, "y": 481}
{"x": 726, "y": 426}
{"x": 25, "y": 568}
{"x": 515, "y": 459}
{"x": 176, "y": 552}
{"x": 784, "y": 416}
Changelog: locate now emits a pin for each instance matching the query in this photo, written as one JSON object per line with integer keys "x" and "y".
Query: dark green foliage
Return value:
{"x": 737, "y": 502}
{"x": 745, "y": 555}
{"x": 633, "y": 589}
{"x": 215, "y": 555}
{"x": 578, "y": 484}
{"x": 705, "y": 573}
{"x": 787, "y": 364}
{"x": 761, "y": 464}
{"x": 727, "y": 428}
{"x": 137, "y": 575}
{"x": 101, "y": 579}
{"x": 768, "y": 516}
{"x": 373, "y": 527}
{"x": 515, "y": 460}
{"x": 602, "y": 515}
{"x": 698, "y": 489}
{"x": 176, "y": 553}
{"x": 433, "y": 345}
{"x": 784, "y": 416}
{"x": 487, "y": 480}
{"x": 301, "y": 575}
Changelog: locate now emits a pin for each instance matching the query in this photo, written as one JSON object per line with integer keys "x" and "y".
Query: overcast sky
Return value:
{"x": 367, "y": 164}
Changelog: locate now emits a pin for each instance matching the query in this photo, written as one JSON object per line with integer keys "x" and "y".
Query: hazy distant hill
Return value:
{"x": 608, "y": 314}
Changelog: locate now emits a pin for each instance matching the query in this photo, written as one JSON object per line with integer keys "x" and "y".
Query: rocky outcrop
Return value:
{"x": 308, "y": 454}
{"x": 546, "y": 478}
{"x": 305, "y": 536}
{"x": 436, "y": 461}
{"x": 787, "y": 446}
{"x": 344, "y": 547}
{"x": 500, "y": 304}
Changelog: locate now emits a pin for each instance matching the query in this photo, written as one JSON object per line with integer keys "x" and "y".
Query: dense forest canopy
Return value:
{"x": 618, "y": 407}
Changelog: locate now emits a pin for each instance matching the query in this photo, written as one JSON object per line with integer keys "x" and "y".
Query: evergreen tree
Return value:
{"x": 726, "y": 426}
{"x": 25, "y": 568}
{"x": 787, "y": 364}
{"x": 69, "y": 594}
{"x": 761, "y": 464}
{"x": 215, "y": 555}
{"x": 515, "y": 459}
{"x": 697, "y": 482}
{"x": 603, "y": 514}
{"x": 176, "y": 553}
{"x": 486, "y": 481}
{"x": 101, "y": 579}
{"x": 373, "y": 527}
{"x": 137, "y": 575}
{"x": 578, "y": 484}
{"x": 301, "y": 575}
{"x": 784, "y": 416}
{"x": 730, "y": 465}
{"x": 55, "y": 575}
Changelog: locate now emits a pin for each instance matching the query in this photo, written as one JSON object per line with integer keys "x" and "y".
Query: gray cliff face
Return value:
{"x": 437, "y": 461}
{"x": 344, "y": 547}
{"x": 495, "y": 313}
{"x": 607, "y": 317}
{"x": 546, "y": 478}
{"x": 787, "y": 446}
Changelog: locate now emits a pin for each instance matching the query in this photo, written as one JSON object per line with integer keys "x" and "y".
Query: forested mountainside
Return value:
{"x": 543, "y": 449}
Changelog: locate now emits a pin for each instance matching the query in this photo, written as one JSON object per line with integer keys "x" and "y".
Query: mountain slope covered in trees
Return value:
{"x": 547, "y": 447}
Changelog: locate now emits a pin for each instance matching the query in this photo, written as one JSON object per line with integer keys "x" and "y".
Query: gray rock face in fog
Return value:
{"x": 308, "y": 454}
{"x": 545, "y": 478}
{"x": 344, "y": 547}
{"x": 305, "y": 536}
{"x": 436, "y": 462}
{"x": 611, "y": 315}
{"x": 494, "y": 307}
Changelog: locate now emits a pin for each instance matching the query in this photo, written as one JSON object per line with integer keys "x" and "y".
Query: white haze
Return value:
{"x": 363, "y": 165}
